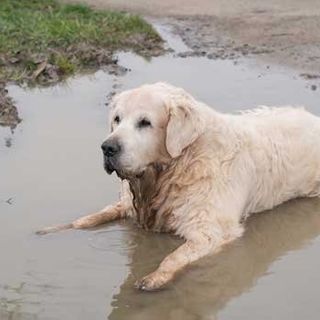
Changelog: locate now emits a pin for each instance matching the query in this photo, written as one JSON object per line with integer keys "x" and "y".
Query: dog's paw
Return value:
{"x": 43, "y": 231}
{"x": 153, "y": 281}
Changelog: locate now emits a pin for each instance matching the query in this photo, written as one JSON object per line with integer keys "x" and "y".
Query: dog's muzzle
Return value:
{"x": 111, "y": 149}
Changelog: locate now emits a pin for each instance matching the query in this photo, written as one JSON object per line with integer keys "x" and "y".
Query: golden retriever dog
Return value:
{"x": 192, "y": 171}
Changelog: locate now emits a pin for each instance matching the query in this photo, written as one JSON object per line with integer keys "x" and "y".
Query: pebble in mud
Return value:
{"x": 310, "y": 76}
{"x": 188, "y": 54}
{"x": 8, "y": 142}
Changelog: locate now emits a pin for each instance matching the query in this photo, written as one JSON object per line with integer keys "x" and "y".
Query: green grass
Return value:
{"x": 67, "y": 36}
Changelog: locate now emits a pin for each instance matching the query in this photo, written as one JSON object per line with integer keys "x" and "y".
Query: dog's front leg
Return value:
{"x": 107, "y": 214}
{"x": 187, "y": 253}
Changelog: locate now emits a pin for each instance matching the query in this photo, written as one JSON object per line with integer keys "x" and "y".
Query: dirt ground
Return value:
{"x": 285, "y": 32}
{"x": 8, "y": 112}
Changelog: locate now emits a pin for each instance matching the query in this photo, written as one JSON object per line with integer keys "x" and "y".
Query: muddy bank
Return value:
{"x": 291, "y": 40}
{"x": 45, "y": 40}
{"x": 47, "y": 73}
{"x": 8, "y": 112}
{"x": 281, "y": 32}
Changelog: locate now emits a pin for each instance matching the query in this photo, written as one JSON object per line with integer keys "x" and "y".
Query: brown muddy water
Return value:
{"x": 51, "y": 172}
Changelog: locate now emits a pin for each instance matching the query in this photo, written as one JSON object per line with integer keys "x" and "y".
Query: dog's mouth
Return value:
{"x": 112, "y": 166}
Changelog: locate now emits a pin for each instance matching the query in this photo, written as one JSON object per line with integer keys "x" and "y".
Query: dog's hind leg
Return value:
{"x": 109, "y": 213}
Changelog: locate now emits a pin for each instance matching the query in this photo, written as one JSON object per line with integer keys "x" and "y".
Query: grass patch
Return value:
{"x": 44, "y": 40}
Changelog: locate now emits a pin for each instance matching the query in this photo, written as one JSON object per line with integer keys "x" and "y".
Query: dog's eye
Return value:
{"x": 143, "y": 123}
{"x": 116, "y": 119}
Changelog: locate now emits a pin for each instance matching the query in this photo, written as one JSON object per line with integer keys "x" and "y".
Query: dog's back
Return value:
{"x": 285, "y": 149}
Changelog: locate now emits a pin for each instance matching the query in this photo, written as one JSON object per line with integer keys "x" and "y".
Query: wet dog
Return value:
{"x": 190, "y": 170}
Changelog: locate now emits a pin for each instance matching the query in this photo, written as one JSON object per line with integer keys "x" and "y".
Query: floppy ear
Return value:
{"x": 185, "y": 124}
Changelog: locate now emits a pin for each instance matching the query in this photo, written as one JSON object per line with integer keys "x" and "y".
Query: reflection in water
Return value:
{"x": 204, "y": 289}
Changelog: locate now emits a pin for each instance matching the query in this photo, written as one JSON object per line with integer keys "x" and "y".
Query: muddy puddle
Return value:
{"x": 51, "y": 172}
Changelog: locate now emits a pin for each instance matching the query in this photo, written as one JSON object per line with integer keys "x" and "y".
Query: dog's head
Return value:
{"x": 149, "y": 125}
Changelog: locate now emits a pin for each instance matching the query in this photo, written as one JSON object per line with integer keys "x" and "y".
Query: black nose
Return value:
{"x": 110, "y": 148}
